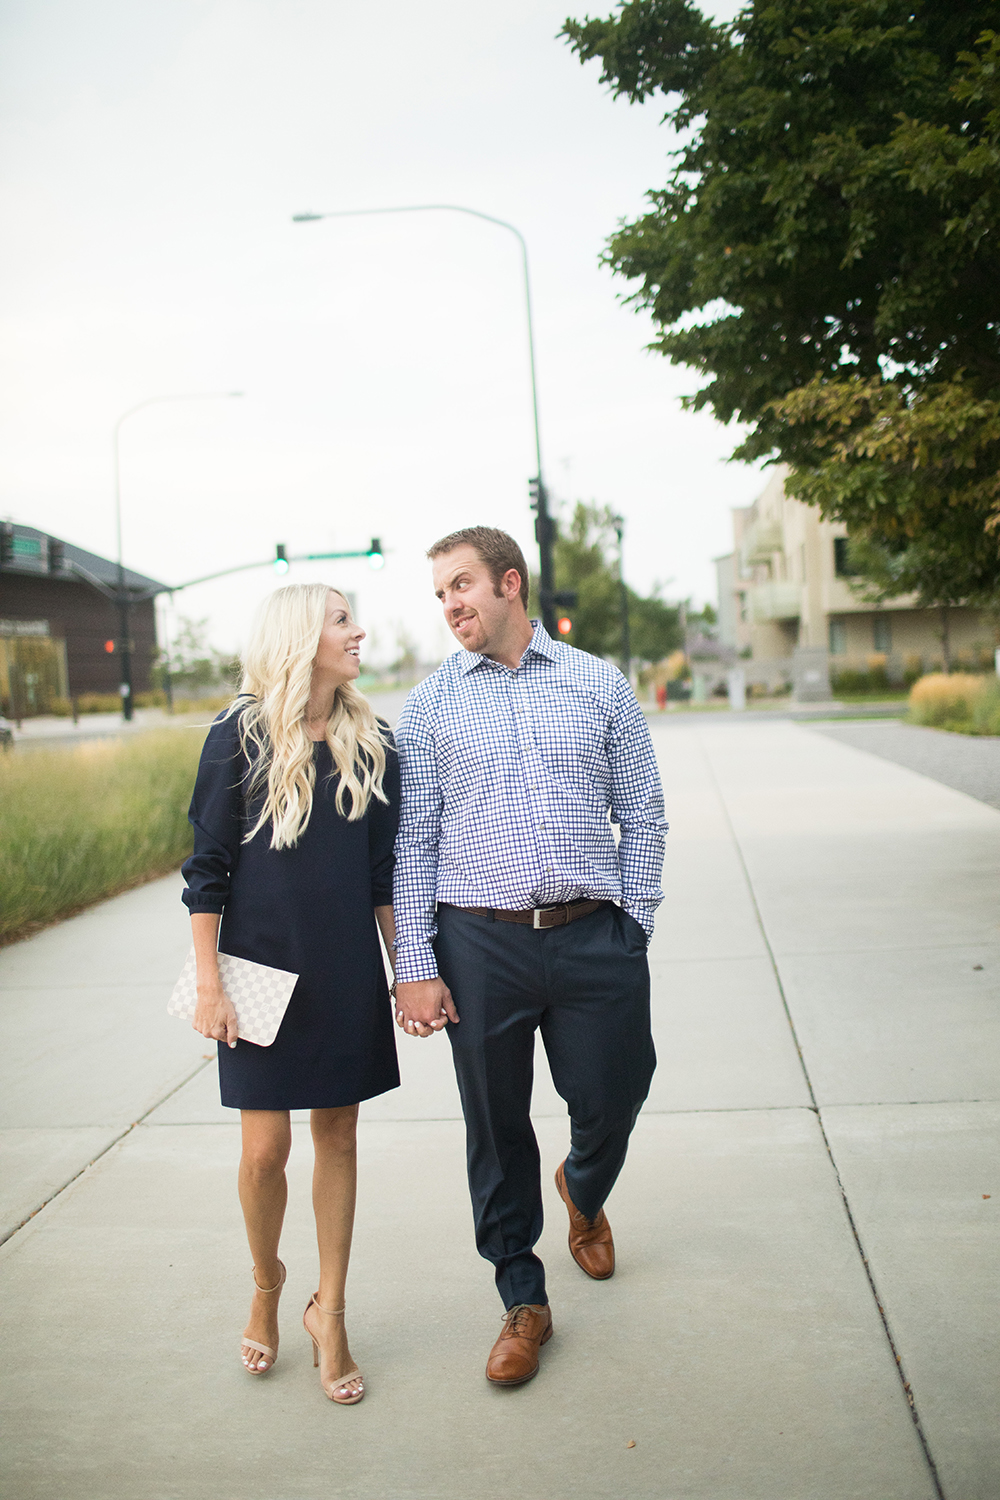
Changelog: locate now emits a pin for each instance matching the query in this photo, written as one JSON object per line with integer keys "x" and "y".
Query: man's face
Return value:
{"x": 476, "y": 616}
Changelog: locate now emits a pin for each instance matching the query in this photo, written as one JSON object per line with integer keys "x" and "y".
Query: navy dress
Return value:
{"x": 308, "y": 909}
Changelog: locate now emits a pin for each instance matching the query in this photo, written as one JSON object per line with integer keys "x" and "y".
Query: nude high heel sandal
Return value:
{"x": 331, "y": 1387}
{"x": 245, "y": 1343}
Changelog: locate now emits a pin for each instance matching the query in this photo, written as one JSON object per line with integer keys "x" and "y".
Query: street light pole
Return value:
{"x": 619, "y": 525}
{"x": 544, "y": 525}
{"x": 123, "y": 599}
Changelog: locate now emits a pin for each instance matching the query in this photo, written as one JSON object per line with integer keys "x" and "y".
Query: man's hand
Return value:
{"x": 423, "y": 1006}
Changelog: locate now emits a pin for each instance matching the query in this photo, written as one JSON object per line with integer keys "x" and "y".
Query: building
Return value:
{"x": 786, "y": 597}
{"x": 59, "y": 630}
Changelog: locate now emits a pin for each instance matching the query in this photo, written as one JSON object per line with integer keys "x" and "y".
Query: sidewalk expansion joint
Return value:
{"x": 109, "y": 1147}
{"x": 904, "y": 1382}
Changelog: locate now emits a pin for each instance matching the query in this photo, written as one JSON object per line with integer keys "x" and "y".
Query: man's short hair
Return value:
{"x": 495, "y": 548}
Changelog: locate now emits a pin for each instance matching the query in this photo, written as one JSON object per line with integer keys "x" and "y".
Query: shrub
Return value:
{"x": 99, "y": 703}
{"x": 945, "y": 700}
{"x": 81, "y": 823}
{"x": 986, "y": 708}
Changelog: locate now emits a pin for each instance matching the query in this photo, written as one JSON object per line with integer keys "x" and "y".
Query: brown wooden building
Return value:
{"x": 58, "y": 631}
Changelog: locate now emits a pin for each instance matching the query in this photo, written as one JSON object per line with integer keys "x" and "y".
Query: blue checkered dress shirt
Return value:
{"x": 508, "y": 780}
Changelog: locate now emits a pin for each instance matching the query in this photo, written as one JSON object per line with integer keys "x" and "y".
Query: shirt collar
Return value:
{"x": 541, "y": 644}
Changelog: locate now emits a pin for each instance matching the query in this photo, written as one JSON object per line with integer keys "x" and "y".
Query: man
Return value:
{"x": 516, "y": 911}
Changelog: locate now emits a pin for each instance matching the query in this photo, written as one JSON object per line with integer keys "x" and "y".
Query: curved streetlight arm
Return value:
{"x": 150, "y": 401}
{"x": 475, "y": 213}
{"x": 544, "y": 526}
{"x": 123, "y": 599}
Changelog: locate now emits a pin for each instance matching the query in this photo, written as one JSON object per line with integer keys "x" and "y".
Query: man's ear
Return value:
{"x": 510, "y": 584}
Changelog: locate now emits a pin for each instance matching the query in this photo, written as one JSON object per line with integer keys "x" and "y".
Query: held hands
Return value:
{"x": 424, "y": 1006}
{"x": 214, "y": 1014}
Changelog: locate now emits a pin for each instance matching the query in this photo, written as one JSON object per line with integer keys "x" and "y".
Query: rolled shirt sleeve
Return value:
{"x": 637, "y": 807}
{"x": 415, "y": 888}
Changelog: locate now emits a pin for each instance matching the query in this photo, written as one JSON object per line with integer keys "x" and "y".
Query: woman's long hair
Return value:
{"x": 277, "y": 677}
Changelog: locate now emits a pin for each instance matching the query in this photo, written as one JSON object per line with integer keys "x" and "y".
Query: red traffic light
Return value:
{"x": 109, "y": 646}
{"x": 565, "y": 625}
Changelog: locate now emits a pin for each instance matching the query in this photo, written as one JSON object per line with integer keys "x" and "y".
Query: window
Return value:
{"x": 882, "y": 634}
{"x": 841, "y": 563}
{"x": 838, "y": 638}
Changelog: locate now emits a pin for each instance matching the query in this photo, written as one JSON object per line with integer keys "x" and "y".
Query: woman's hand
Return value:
{"x": 423, "y": 1006}
{"x": 215, "y": 1014}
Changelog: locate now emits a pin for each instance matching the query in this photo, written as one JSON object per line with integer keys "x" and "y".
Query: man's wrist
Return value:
{"x": 412, "y": 968}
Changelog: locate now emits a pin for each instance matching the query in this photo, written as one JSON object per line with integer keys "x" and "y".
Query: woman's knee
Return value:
{"x": 265, "y": 1150}
{"x": 336, "y": 1130}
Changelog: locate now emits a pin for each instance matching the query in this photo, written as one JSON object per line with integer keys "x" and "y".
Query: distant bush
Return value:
{"x": 957, "y": 700}
{"x": 986, "y": 708}
{"x": 99, "y": 703}
{"x": 82, "y": 823}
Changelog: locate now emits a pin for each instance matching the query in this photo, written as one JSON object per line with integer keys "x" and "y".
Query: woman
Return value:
{"x": 294, "y": 812}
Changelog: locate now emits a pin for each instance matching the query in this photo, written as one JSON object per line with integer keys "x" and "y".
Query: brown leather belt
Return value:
{"x": 538, "y": 916}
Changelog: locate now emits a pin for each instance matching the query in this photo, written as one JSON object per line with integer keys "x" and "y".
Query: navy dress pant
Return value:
{"x": 586, "y": 987}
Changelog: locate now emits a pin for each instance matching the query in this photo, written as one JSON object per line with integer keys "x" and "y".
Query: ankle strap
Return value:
{"x": 267, "y": 1290}
{"x": 334, "y": 1312}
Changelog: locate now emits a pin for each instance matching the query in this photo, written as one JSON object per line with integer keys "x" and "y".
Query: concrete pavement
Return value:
{"x": 804, "y": 1204}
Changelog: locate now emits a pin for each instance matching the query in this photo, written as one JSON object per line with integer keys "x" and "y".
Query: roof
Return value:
{"x": 76, "y": 561}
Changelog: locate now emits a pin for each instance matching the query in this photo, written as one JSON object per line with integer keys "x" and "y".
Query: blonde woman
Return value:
{"x": 294, "y": 813}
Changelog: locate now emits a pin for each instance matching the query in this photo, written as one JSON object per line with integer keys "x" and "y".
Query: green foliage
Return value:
{"x": 585, "y": 558}
{"x": 826, "y": 254}
{"x": 80, "y": 824}
{"x": 192, "y": 663}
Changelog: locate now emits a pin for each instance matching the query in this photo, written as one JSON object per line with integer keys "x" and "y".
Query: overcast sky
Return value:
{"x": 154, "y": 155}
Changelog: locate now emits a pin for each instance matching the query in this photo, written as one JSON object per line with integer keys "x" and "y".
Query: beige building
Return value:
{"x": 786, "y": 588}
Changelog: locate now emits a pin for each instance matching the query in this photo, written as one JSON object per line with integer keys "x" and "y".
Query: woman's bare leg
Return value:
{"x": 267, "y": 1140}
{"x": 335, "y": 1177}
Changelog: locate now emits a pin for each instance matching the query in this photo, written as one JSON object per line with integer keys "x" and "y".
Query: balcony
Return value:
{"x": 761, "y": 541}
{"x": 775, "y": 601}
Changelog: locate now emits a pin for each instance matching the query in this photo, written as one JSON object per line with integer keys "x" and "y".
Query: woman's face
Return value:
{"x": 338, "y": 655}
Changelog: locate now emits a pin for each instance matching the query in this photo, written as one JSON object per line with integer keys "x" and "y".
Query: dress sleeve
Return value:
{"x": 383, "y": 821}
{"x": 216, "y": 815}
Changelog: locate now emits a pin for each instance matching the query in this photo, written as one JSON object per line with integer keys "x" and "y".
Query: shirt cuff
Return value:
{"x": 415, "y": 963}
{"x": 640, "y": 912}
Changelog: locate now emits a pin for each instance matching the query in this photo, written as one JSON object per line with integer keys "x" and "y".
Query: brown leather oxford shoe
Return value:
{"x": 514, "y": 1357}
{"x": 590, "y": 1241}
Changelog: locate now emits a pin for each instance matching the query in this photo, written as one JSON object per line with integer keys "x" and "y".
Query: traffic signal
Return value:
{"x": 565, "y": 625}
{"x": 375, "y": 557}
{"x": 534, "y": 488}
{"x": 109, "y": 647}
{"x": 280, "y": 558}
{"x": 57, "y": 555}
{"x": 6, "y": 545}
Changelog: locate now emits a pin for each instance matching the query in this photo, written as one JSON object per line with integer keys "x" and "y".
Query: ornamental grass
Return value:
{"x": 81, "y": 823}
{"x": 959, "y": 701}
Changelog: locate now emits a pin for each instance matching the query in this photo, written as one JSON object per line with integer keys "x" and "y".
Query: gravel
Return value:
{"x": 969, "y": 764}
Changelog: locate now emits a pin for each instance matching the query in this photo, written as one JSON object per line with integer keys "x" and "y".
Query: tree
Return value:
{"x": 826, "y": 254}
{"x": 585, "y": 561}
{"x": 192, "y": 663}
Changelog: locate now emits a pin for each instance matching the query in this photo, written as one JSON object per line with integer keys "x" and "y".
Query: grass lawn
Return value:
{"x": 80, "y": 823}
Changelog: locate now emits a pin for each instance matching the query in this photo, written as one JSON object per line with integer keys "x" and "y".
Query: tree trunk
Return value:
{"x": 945, "y": 639}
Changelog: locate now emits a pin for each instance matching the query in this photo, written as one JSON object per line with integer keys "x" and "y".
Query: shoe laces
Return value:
{"x": 515, "y": 1318}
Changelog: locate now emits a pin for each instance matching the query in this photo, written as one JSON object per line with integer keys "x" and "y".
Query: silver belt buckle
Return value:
{"x": 536, "y": 924}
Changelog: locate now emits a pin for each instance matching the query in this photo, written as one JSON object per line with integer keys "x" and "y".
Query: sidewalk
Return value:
{"x": 816, "y": 1152}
